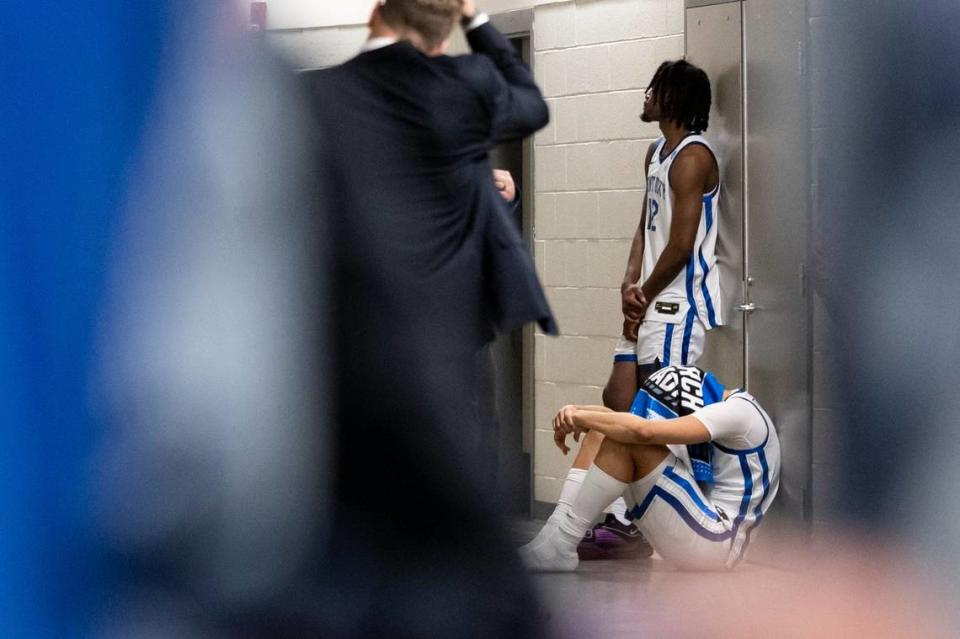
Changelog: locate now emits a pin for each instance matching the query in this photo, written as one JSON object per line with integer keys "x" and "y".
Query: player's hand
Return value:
{"x": 469, "y": 9}
{"x": 563, "y": 426}
{"x": 560, "y": 439}
{"x": 630, "y": 330}
{"x": 633, "y": 302}
{"x": 564, "y": 420}
{"x": 505, "y": 185}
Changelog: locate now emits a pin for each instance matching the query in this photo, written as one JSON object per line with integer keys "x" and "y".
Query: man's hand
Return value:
{"x": 505, "y": 186}
{"x": 469, "y": 9}
{"x": 633, "y": 302}
{"x": 631, "y": 330}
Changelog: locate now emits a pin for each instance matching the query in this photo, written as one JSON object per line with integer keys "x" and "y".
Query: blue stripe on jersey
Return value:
{"x": 625, "y": 357}
{"x": 688, "y": 329}
{"x": 747, "y": 491}
{"x": 667, "y": 346}
{"x": 644, "y": 404}
{"x": 712, "y": 390}
{"x": 711, "y": 314}
{"x": 685, "y": 485}
{"x": 660, "y": 409}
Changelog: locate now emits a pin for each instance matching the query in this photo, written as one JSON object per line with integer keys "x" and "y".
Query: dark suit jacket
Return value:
{"x": 424, "y": 264}
{"x": 408, "y": 143}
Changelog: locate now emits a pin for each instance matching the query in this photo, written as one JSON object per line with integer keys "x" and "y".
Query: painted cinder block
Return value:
{"x": 608, "y": 21}
{"x": 551, "y": 168}
{"x": 554, "y": 26}
{"x": 618, "y": 214}
{"x": 549, "y": 72}
{"x": 587, "y": 69}
{"x": 577, "y": 215}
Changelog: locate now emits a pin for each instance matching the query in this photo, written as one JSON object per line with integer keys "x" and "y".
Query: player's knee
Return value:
{"x": 612, "y": 448}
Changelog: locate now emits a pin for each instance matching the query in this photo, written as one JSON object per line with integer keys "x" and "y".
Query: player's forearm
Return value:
{"x": 625, "y": 428}
{"x": 594, "y": 408}
{"x": 635, "y": 261}
{"x": 672, "y": 261}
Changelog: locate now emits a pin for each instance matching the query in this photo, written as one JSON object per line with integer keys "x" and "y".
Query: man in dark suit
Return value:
{"x": 426, "y": 265}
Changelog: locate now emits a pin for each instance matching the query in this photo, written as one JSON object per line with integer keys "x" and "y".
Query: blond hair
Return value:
{"x": 432, "y": 20}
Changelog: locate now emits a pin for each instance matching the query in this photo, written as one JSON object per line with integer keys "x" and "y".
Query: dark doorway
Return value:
{"x": 513, "y": 353}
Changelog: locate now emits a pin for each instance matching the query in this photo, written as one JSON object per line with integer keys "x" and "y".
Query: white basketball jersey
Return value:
{"x": 695, "y": 292}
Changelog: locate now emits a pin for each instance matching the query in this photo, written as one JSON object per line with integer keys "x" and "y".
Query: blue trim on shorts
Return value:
{"x": 625, "y": 357}
{"x": 656, "y": 491}
{"x": 683, "y": 483}
{"x": 758, "y": 511}
{"x": 640, "y": 510}
{"x": 667, "y": 345}
{"x": 687, "y": 334}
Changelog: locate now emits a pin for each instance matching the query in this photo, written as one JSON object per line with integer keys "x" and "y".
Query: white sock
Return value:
{"x": 555, "y": 548}
{"x": 598, "y": 490}
{"x": 619, "y": 510}
{"x": 571, "y": 487}
{"x": 568, "y": 494}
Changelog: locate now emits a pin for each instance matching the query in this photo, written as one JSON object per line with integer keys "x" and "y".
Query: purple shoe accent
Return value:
{"x": 613, "y": 540}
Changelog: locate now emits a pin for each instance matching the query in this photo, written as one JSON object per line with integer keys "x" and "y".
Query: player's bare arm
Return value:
{"x": 633, "y": 303}
{"x": 627, "y": 428}
{"x": 690, "y": 178}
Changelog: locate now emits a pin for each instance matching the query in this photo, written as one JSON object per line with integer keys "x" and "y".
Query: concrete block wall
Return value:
{"x": 593, "y": 60}
{"x": 318, "y": 47}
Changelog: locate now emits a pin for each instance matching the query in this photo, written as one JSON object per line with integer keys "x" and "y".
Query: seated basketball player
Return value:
{"x": 644, "y": 458}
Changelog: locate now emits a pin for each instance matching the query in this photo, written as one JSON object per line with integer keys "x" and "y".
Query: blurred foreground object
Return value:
{"x": 165, "y": 472}
{"x": 889, "y": 229}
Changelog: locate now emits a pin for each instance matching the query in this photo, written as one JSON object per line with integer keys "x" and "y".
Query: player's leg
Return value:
{"x": 622, "y": 386}
{"x": 621, "y": 536}
{"x": 589, "y": 447}
{"x": 683, "y": 526}
{"x": 653, "y": 341}
{"x": 615, "y": 467}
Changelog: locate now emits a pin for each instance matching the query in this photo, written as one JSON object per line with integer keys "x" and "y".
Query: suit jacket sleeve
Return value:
{"x": 516, "y": 104}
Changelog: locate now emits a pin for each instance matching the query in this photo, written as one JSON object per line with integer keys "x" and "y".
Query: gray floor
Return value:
{"x": 648, "y": 598}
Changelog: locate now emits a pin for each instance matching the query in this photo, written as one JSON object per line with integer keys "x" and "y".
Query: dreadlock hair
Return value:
{"x": 683, "y": 93}
{"x": 433, "y": 20}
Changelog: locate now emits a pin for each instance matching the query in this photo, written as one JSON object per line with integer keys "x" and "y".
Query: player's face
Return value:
{"x": 651, "y": 110}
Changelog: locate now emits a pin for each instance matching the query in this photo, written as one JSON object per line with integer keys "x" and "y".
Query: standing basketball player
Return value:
{"x": 671, "y": 287}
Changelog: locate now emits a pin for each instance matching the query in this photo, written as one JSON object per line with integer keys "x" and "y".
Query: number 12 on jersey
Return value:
{"x": 652, "y": 209}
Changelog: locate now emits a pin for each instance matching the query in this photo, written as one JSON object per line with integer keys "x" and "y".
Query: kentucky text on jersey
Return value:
{"x": 655, "y": 185}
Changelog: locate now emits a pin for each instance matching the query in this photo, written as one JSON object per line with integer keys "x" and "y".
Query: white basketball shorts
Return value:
{"x": 677, "y": 344}
{"x": 684, "y": 527}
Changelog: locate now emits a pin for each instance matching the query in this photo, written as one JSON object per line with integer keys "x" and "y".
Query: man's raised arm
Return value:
{"x": 517, "y": 105}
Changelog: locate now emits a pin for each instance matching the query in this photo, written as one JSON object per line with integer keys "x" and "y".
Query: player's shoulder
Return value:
{"x": 696, "y": 152}
{"x": 651, "y": 149}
